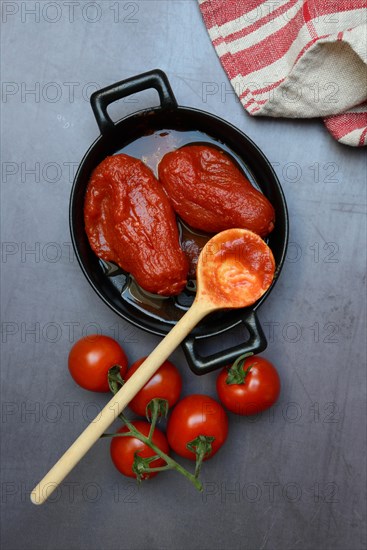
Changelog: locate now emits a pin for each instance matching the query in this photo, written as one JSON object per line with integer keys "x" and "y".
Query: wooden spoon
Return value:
{"x": 235, "y": 269}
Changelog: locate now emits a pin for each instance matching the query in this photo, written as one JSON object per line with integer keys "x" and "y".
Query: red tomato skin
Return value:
{"x": 260, "y": 390}
{"x": 166, "y": 383}
{"x": 122, "y": 449}
{"x": 196, "y": 415}
{"x": 91, "y": 357}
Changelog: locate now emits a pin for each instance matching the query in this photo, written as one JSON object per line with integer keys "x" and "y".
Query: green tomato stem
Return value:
{"x": 236, "y": 374}
{"x": 160, "y": 469}
{"x": 156, "y": 408}
{"x": 171, "y": 464}
{"x": 202, "y": 447}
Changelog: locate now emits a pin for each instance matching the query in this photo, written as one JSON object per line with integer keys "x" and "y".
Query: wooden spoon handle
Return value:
{"x": 119, "y": 401}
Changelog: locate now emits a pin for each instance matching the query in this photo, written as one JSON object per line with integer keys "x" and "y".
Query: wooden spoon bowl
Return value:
{"x": 235, "y": 268}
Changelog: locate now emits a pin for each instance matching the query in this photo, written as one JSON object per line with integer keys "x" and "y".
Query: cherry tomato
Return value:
{"x": 91, "y": 357}
{"x": 123, "y": 449}
{"x": 259, "y": 390}
{"x": 166, "y": 383}
{"x": 193, "y": 416}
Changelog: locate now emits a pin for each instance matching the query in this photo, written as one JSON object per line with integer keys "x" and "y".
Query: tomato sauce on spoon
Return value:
{"x": 235, "y": 269}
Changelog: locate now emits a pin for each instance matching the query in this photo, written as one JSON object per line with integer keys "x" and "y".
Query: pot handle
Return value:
{"x": 152, "y": 79}
{"x": 201, "y": 365}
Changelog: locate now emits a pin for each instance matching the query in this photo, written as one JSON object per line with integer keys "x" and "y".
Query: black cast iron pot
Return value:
{"x": 112, "y": 285}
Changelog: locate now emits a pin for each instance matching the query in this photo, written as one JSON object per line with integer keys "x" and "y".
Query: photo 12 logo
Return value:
{"x": 73, "y": 492}
{"x": 28, "y": 12}
{"x": 70, "y": 491}
{"x": 270, "y": 492}
{"x": 52, "y": 332}
{"x": 315, "y": 92}
{"x": 38, "y": 172}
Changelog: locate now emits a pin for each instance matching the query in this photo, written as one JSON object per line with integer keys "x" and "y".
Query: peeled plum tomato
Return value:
{"x": 123, "y": 449}
{"x": 129, "y": 220}
{"x": 209, "y": 192}
{"x": 196, "y": 415}
{"x": 166, "y": 383}
{"x": 90, "y": 359}
{"x": 236, "y": 268}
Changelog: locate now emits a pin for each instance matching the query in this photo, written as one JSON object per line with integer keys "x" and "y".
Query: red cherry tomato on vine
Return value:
{"x": 193, "y": 416}
{"x": 260, "y": 388}
{"x": 123, "y": 449}
{"x": 166, "y": 383}
{"x": 91, "y": 357}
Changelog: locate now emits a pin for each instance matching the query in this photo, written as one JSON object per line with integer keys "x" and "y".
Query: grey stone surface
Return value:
{"x": 293, "y": 478}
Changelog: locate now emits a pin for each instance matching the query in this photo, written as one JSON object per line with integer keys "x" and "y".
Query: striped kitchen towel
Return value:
{"x": 296, "y": 58}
